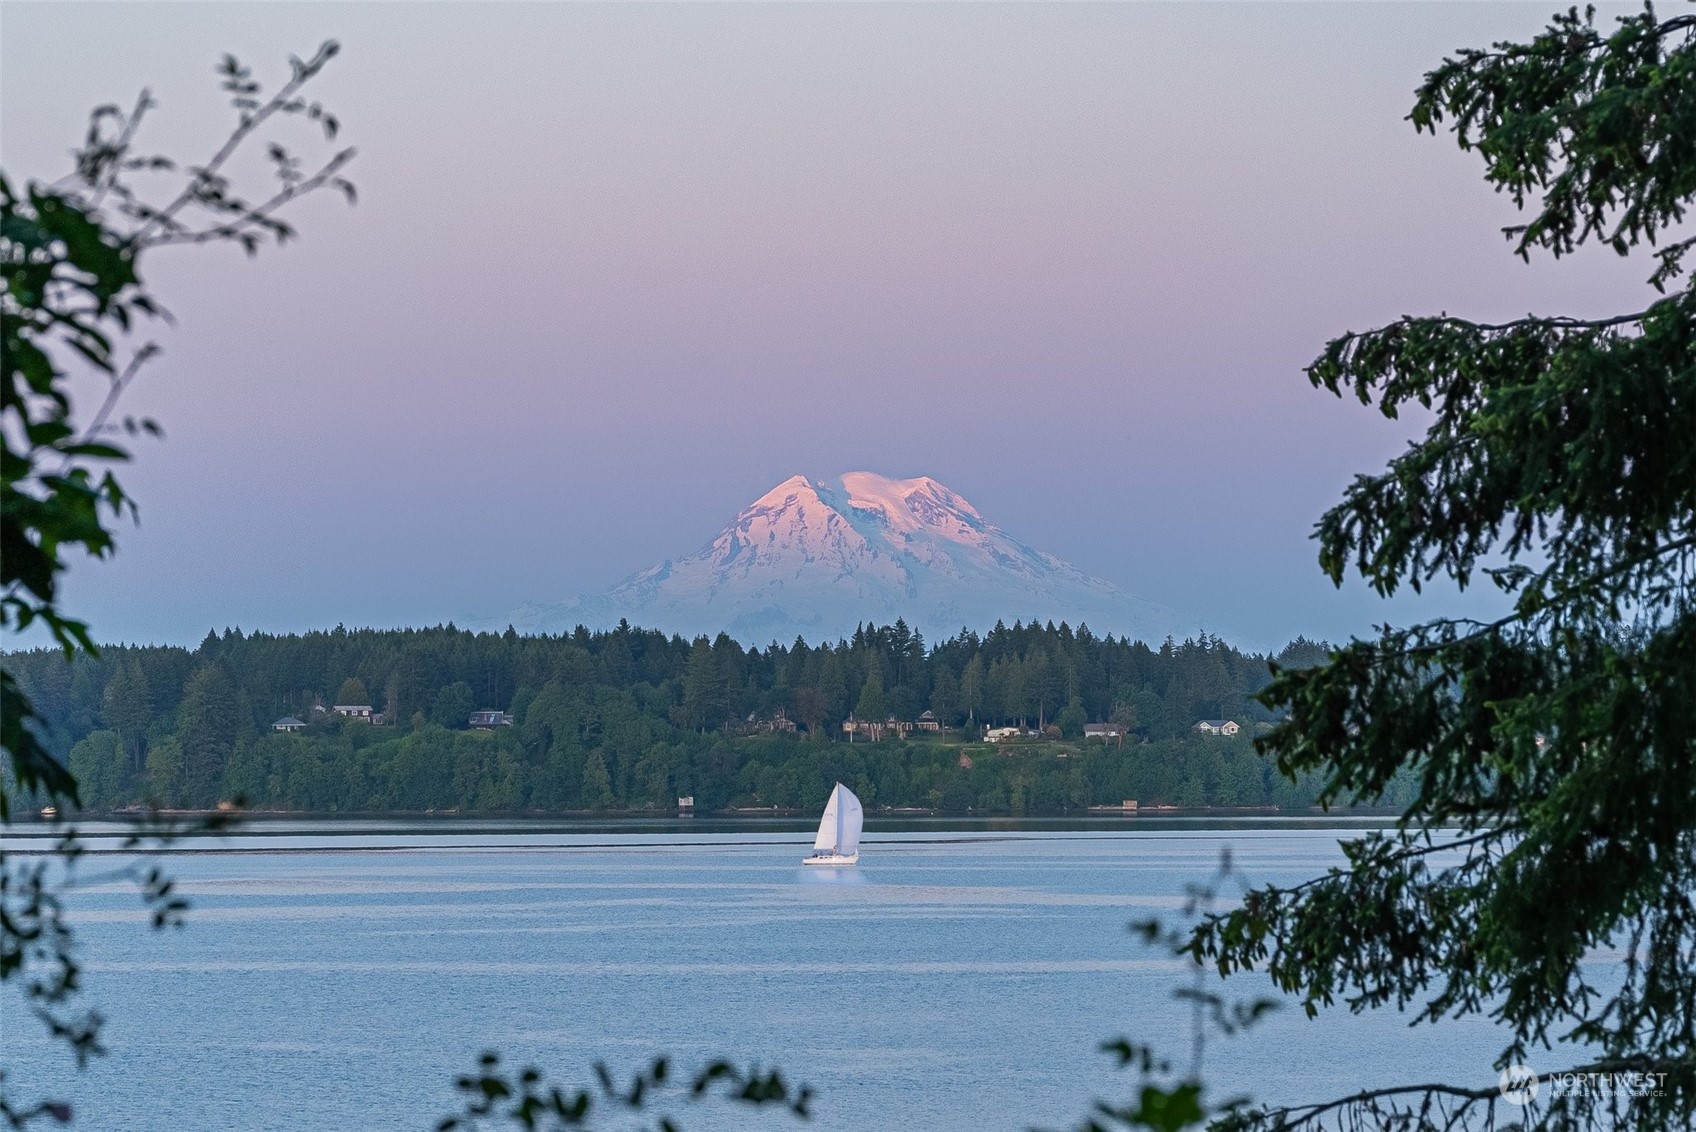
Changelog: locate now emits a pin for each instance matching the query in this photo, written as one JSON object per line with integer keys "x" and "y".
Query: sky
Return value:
{"x": 616, "y": 270}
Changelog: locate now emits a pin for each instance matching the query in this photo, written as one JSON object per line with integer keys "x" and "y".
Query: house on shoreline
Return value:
{"x": 779, "y": 722}
{"x": 362, "y": 712}
{"x": 889, "y": 728}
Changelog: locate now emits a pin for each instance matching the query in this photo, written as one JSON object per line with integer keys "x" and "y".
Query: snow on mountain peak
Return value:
{"x": 791, "y": 489}
{"x": 790, "y": 521}
{"x": 913, "y": 507}
{"x": 817, "y": 558}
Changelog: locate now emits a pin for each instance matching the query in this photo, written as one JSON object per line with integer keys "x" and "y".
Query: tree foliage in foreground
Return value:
{"x": 1545, "y": 873}
{"x": 72, "y": 295}
{"x": 496, "y": 1097}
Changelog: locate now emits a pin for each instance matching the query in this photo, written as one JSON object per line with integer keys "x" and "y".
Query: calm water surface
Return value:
{"x": 959, "y": 979}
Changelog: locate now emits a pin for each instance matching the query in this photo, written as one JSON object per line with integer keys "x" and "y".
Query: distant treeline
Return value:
{"x": 633, "y": 719}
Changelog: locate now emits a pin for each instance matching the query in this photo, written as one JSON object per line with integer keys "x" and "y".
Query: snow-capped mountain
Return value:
{"x": 817, "y": 559}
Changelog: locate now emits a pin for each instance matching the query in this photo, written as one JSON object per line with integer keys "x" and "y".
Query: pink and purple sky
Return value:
{"x": 618, "y": 269}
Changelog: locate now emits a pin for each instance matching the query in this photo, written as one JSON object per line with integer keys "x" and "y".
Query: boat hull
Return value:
{"x": 832, "y": 860}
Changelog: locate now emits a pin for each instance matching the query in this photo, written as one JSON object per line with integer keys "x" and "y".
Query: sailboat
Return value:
{"x": 838, "y": 842}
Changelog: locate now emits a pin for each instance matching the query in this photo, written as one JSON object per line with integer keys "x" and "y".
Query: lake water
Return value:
{"x": 337, "y": 977}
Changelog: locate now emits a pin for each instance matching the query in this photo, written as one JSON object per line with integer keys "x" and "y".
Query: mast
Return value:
{"x": 839, "y": 808}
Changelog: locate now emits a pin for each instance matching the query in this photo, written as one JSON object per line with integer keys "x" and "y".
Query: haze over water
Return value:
{"x": 954, "y": 981}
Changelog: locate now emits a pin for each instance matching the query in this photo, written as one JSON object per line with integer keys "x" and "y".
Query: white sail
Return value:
{"x": 828, "y": 824}
{"x": 838, "y": 842}
{"x": 852, "y": 816}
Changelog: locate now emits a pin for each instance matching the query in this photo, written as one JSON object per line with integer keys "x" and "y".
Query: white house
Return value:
{"x": 287, "y": 723}
{"x": 999, "y": 734}
{"x": 1103, "y": 731}
{"x": 489, "y": 720}
{"x": 354, "y": 711}
{"x": 1218, "y": 727}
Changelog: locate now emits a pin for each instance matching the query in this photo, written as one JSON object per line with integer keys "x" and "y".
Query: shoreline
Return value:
{"x": 748, "y": 814}
{"x": 38, "y": 834}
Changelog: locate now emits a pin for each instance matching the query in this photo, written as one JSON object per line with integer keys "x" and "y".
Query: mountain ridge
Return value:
{"x": 817, "y": 558}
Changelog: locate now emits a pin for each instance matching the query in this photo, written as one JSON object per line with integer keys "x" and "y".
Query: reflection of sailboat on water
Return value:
{"x": 838, "y": 842}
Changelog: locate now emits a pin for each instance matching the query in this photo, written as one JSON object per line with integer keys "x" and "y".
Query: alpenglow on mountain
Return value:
{"x": 817, "y": 559}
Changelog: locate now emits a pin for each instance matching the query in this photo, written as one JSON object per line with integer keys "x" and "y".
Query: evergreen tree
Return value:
{"x": 1550, "y": 752}
{"x": 1071, "y": 719}
{"x": 833, "y": 685}
{"x": 207, "y": 727}
{"x": 453, "y": 706}
{"x": 706, "y": 700}
{"x": 945, "y": 697}
{"x": 1047, "y": 683}
{"x": 972, "y": 682}
{"x": 870, "y": 707}
{"x": 902, "y": 702}
{"x": 128, "y": 708}
{"x": 408, "y": 688}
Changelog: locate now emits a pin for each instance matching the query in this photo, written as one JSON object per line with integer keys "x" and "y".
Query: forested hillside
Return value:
{"x": 632, "y": 719}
